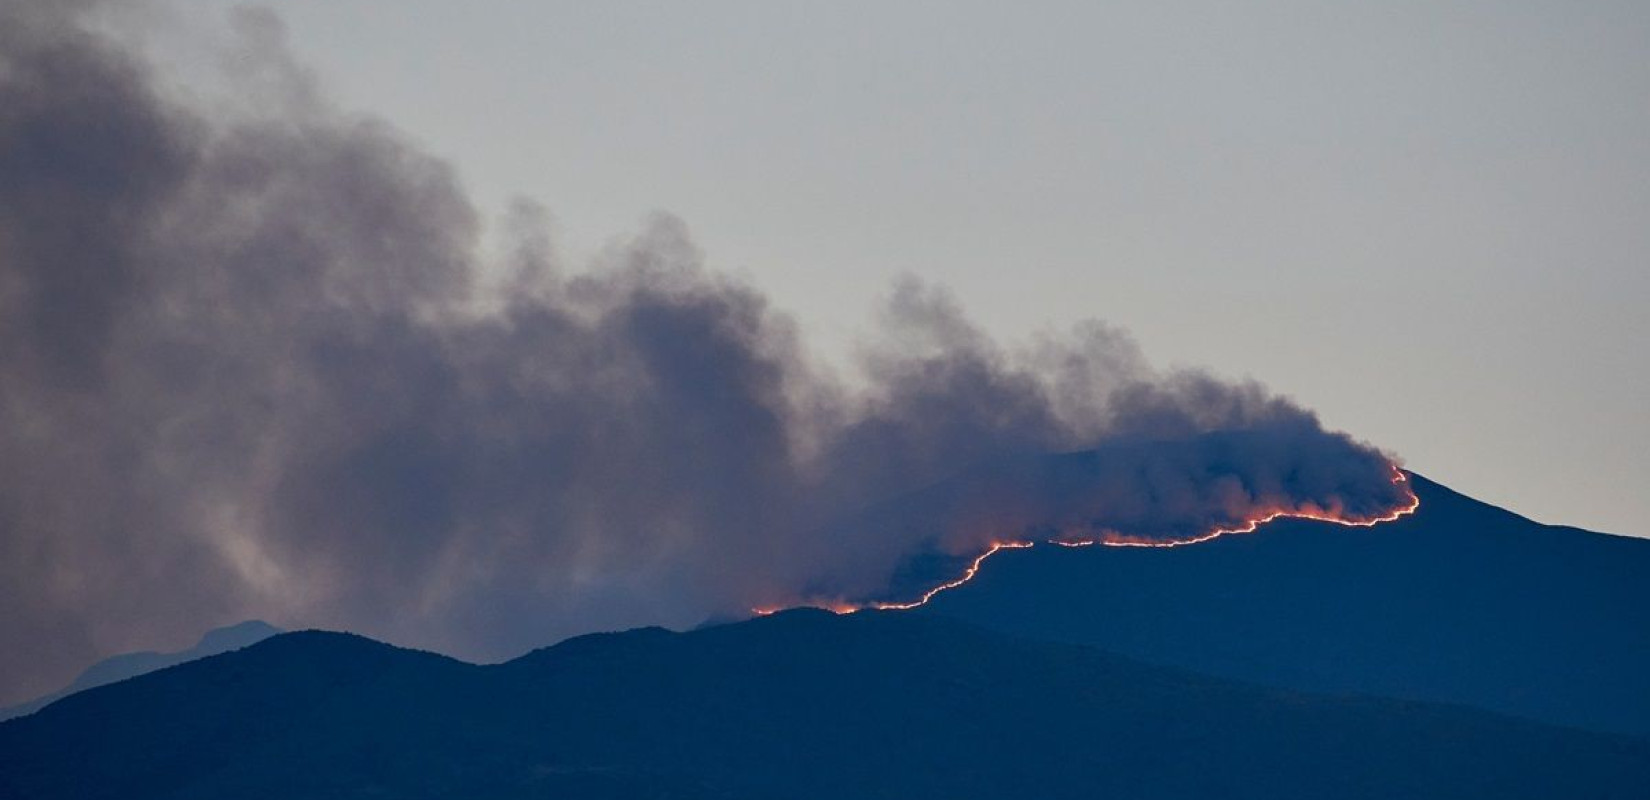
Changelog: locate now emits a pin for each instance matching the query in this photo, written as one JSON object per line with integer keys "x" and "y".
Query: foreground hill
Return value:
{"x": 1460, "y": 602}
{"x": 802, "y": 704}
{"x": 127, "y": 665}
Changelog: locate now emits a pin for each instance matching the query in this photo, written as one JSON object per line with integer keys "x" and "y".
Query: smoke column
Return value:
{"x": 262, "y": 364}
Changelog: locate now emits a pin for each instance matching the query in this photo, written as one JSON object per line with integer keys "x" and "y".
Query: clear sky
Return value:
{"x": 1430, "y": 221}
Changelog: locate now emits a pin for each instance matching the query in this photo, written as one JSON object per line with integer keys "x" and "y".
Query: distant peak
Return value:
{"x": 236, "y": 636}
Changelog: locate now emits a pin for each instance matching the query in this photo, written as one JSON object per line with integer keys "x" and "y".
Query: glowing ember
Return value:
{"x": 1114, "y": 539}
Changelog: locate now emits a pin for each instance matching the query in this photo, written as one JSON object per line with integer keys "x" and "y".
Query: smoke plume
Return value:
{"x": 260, "y": 364}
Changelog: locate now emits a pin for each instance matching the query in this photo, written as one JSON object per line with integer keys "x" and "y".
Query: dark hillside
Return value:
{"x": 1460, "y": 602}
{"x": 803, "y": 704}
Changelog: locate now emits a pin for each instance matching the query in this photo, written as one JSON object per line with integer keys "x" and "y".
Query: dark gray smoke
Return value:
{"x": 256, "y": 365}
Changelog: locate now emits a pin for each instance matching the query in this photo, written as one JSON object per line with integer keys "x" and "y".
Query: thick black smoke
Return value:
{"x": 256, "y": 365}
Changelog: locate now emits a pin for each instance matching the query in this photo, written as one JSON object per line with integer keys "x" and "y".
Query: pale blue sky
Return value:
{"x": 1429, "y": 221}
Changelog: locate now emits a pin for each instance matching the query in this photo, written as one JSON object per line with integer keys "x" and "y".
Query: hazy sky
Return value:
{"x": 1429, "y": 221}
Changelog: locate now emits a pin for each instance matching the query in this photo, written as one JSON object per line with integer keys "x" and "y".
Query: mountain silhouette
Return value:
{"x": 1460, "y": 602}
{"x": 127, "y": 665}
{"x": 801, "y": 704}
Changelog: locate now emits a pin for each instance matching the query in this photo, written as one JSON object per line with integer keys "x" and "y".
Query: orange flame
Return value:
{"x": 1115, "y": 539}
{"x": 968, "y": 575}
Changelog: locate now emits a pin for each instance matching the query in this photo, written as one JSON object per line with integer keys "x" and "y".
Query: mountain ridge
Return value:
{"x": 801, "y": 704}
{"x": 1459, "y": 602}
{"x": 126, "y": 665}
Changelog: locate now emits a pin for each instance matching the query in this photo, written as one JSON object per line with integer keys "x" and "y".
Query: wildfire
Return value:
{"x": 968, "y": 575}
{"x": 1116, "y": 539}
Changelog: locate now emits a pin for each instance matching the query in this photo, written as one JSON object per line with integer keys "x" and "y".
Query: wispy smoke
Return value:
{"x": 257, "y": 365}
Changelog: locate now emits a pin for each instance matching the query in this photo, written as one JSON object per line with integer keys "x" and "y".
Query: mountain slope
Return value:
{"x": 127, "y": 665}
{"x": 1460, "y": 602}
{"x": 802, "y": 704}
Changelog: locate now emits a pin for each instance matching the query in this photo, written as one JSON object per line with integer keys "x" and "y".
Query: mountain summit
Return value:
{"x": 1460, "y": 602}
